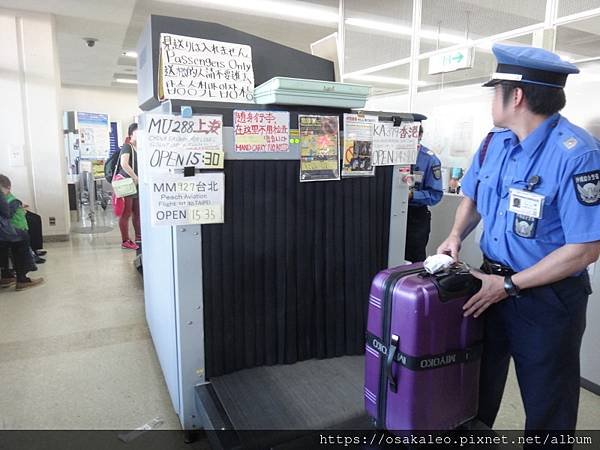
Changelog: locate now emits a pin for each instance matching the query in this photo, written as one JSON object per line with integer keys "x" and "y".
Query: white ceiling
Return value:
{"x": 117, "y": 25}
{"x": 105, "y": 20}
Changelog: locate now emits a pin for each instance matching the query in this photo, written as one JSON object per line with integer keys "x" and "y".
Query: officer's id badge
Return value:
{"x": 418, "y": 180}
{"x": 437, "y": 172}
{"x": 570, "y": 143}
{"x": 525, "y": 226}
{"x": 587, "y": 187}
{"x": 526, "y": 203}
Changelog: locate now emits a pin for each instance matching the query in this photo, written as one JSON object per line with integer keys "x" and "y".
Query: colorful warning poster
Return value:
{"x": 204, "y": 70}
{"x": 357, "y": 151}
{"x": 319, "y": 148}
{"x": 394, "y": 146}
{"x": 261, "y": 131}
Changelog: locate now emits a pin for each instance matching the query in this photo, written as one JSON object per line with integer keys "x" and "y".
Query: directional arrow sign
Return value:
{"x": 451, "y": 61}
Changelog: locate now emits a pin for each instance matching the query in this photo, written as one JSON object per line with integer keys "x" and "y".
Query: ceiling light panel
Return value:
{"x": 126, "y": 80}
{"x": 293, "y": 10}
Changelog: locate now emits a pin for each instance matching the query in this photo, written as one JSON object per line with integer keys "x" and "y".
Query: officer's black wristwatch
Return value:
{"x": 511, "y": 288}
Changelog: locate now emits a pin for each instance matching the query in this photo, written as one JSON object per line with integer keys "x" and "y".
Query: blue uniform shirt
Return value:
{"x": 428, "y": 189}
{"x": 567, "y": 160}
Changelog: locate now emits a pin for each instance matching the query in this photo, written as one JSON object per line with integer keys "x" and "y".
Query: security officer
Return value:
{"x": 426, "y": 190}
{"x": 535, "y": 182}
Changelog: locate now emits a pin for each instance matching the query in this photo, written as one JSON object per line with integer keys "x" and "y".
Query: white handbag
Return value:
{"x": 124, "y": 186}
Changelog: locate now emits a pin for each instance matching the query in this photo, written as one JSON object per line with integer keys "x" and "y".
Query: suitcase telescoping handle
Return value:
{"x": 391, "y": 354}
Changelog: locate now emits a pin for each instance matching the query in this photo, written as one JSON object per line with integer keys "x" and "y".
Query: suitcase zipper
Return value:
{"x": 386, "y": 330}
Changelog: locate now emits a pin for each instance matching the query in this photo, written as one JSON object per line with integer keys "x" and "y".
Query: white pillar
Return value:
{"x": 31, "y": 152}
{"x": 415, "y": 44}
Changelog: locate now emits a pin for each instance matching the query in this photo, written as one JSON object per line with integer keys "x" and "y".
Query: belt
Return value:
{"x": 494, "y": 268}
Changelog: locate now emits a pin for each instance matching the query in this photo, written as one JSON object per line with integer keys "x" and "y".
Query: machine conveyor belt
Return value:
{"x": 309, "y": 395}
{"x": 313, "y": 394}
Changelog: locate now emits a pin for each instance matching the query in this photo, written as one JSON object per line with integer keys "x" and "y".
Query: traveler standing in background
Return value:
{"x": 128, "y": 167}
{"x": 425, "y": 190}
{"x": 535, "y": 183}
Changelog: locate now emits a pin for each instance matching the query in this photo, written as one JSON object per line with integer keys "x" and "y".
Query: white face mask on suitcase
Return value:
{"x": 437, "y": 263}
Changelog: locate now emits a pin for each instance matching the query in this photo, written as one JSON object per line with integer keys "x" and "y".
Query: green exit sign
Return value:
{"x": 451, "y": 61}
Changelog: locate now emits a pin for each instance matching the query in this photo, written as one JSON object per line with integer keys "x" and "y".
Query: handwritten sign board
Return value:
{"x": 261, "y": 131}
{"x": 395, "y": 145}
{"x": 204, "y": 70}
{"x": 173, "y": 142}
{"x": 179, "y": 200}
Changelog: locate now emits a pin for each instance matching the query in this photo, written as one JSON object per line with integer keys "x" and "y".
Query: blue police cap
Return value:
{"x": 530, "y": 65}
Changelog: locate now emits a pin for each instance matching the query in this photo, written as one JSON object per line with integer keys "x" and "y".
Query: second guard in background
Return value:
{"x": 425, "y": 190}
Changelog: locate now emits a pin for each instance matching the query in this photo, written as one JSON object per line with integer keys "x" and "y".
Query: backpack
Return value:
{"x": 111, "y": 166}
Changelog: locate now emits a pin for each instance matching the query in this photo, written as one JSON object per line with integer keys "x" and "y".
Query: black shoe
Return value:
{"x": 39, "y": 260}
{"x": 8, "y": 273}
{"x": 40, "y": 252}
{"x": 31, "y": 268}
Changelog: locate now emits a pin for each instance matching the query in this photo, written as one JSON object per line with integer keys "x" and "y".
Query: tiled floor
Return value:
{"x": 76, "y": 353}
{"x": 512, "y": 416}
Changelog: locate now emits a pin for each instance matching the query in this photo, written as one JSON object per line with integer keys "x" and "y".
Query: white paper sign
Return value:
{"x": 179, "y": 200}
{"x": 462, "y": 135}
{"x": 261, "y": 131}
{"x": 201, "y": 69}
{"x": 16, "y": 155}
{"x": 394, "y": 146}
{"x": 173, "y": 142}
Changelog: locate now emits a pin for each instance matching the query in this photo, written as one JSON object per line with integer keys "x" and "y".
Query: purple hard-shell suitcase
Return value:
{"x": 422, "y": 355}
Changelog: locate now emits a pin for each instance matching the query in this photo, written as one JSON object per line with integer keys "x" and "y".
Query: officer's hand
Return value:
{"x": 451, "y": 246}
{"x": 492, "y": 291}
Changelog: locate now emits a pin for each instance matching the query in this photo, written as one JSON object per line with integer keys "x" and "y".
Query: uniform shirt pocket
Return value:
{"x": 545, "y": 229}
{"x": 487, "y": 195}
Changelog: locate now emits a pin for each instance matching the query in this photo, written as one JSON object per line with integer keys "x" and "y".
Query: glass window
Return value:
{"x": 376, "y": 32}
{"x": 446, "y": 23}
{"x": 582, "y": 91}
{"x": 394, "y": 79}
{"x": 568, "y": 7}
{"x": 579, "y": 40}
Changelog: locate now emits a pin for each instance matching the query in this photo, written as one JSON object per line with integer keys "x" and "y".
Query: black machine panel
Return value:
{"x": 269, "y": 59}
{"x": 287, "y": 276}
